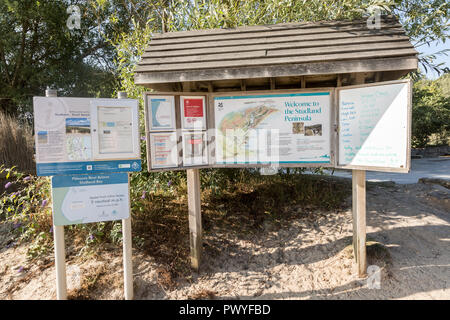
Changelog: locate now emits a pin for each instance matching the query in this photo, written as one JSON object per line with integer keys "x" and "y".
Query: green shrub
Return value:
{"x": 431, "y": 113}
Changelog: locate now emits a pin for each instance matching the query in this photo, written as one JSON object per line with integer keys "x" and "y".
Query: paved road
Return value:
{"x": 420, "y": 168}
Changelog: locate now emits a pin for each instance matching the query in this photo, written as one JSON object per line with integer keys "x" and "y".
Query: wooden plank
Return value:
{"x": 349, "y": 39}
{"x": 205, "y": 57}
{"x": 266, "y": 34}
{"x": 359, "y": 220}
{"x": 279, "y": 53}
{"x": 293, "y": 69}
{"x": 264, "y": 28}
{"x": 277, "y": 60}
{"x": 284, "y": 39}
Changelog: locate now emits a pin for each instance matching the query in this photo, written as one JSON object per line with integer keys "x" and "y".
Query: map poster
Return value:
{"x": 90, "y": 198}
{"x": 64, "y": 139}
{"x": 290, "y": 128}
{"x": 163, "y": 150}
{"x": 195, "y": 148}
{"x": 193, "y": 112}
{"x": 161, "y": 111}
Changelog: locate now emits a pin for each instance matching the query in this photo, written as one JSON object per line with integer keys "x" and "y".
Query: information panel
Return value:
{"x": 83, "y": 135}
{"x": 374, "y": 126}
{"x": 161, "y": 110}
{"x": 193, "y": 112}
{"x": 164, "y": 150}
{"x": 285, "y": 128}
{"x": 176, "y": 130}
{"x": 90, "y": 198}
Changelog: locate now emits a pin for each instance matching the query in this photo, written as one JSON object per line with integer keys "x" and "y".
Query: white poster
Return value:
{"x": 161, "y": 113}
{"x": 273, "y": 128}
{"x": 163, "y": 150}
{"x": 373, "y": 126}
{"x": 115, "y": 128}
{"x": 193, "y": 112}
{"x": 195, "y": 148}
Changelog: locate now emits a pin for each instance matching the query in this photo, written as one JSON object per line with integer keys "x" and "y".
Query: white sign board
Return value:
{"x": 284, "y": 128}
{"x": 90, "y": 198}
{"x": 195, "y": 148}
{"x": 161, "y": 112}
{"x": 164, "y": 150}
{"x": 374, "y": 126}
{"x": 83, "y": 135}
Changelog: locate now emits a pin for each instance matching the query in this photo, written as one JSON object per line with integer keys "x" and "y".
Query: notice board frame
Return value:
{"x": 210, "y": 127}
{"x": 178, "y": 129}
{"x": 408, "y": 128}
{"x": 95, "y": 165}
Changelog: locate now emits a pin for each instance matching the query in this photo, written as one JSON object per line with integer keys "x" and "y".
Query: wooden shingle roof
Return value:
{"x": 292, "y": 49}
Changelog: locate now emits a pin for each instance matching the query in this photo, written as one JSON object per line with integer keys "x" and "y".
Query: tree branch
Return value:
{"x": 2, "y": 55}
{"x": 22, "y": 50}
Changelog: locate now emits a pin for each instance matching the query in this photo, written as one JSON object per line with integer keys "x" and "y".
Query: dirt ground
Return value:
{"x": 310, "y": 259}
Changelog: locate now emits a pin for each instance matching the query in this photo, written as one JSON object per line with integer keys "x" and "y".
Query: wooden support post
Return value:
{"x": 127, "y": 242}
{"x": 60, "y": 262}
{"x": 59, "y": 244}
{"x": 272, "y": 83}
{"x": 127, "y": 258}
{"x": 243, "y": 85}
{"x": 339, "y": 80}
{"x": 303, "y": 82}
{"x": 210, "y": 86}
{"x": 359, "y": 220}
{"x": 195, "y": 216}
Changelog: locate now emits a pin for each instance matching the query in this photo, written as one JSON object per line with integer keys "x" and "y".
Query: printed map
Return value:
{"x": 241, "y": 122}
{"x": 78, "y": 147}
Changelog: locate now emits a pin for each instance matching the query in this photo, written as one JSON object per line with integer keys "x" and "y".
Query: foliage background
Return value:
{"x": 38, "y": 50}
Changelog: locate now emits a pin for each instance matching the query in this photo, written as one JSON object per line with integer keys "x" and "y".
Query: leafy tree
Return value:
{"x": 37, "y": 50}
{"x": 431, "y": 111}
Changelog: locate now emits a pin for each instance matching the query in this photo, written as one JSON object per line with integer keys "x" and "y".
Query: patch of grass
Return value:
{"x": 276, "y": 199}
{"x": 16, "y": 144}
{"x": 165, "y": 278}
{"x": 242, "y": 209}
{"x": 160, "y": 223}
{"x": 95, "y": 279}
{"x": 203, "y": 294}
{"x": 378, "y": 254}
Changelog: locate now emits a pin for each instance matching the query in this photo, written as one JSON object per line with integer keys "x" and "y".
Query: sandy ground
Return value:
{"x": 311, "y": 259}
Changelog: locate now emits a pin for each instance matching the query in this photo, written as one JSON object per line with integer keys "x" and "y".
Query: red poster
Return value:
{"x": 195, "y": 141}
{"x": 193, "y": 108}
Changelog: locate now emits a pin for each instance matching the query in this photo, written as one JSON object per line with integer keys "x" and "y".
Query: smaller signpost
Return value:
{"x": 96, "y": 142}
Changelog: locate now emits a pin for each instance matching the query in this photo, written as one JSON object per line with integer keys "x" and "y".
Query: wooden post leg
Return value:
{"x": 195, "y": 216}
{"x": 359, "y": 219}
{"x": 127, "y": 258}
{"x": 60, "y": 262}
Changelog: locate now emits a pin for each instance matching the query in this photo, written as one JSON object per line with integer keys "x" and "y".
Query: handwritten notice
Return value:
{"x": 373, "y": 126}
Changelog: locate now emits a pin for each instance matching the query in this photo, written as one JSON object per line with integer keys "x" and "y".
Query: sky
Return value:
{"x": 433, "y": 48}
